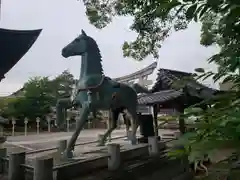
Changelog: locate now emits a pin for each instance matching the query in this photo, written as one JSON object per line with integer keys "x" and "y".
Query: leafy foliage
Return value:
{"x": 218, "y": 125}
{"x": 38, "y": 95}
{"x": 61, "y": 86}
{"x": 153, "y": 22}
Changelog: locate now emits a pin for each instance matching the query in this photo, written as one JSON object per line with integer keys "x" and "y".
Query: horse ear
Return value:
{"x": 83, "y": 33}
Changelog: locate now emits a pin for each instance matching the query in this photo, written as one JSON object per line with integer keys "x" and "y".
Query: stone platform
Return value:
{"x": 34, "y": 145}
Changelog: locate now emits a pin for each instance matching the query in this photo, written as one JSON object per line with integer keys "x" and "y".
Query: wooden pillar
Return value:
{"x": 155, "y": 113}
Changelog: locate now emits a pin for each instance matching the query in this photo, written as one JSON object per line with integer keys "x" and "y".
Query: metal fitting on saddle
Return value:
{"x": 89, "y": 93}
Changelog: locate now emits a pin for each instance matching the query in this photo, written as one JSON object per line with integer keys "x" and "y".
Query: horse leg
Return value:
{"x": 112, "y": 125}
{"x": 126, "y": 122}
{"x": 134, "y": 125}
{"x": 85, "y": 110}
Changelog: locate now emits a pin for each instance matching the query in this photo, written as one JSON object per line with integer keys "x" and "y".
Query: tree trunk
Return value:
{"x": 182, "y": 126}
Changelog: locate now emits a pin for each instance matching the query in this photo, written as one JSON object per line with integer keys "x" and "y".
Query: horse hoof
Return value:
{"x": 100, "y": 144}
{"x": 67, "y": 155}
{"x": 134, "y": 141}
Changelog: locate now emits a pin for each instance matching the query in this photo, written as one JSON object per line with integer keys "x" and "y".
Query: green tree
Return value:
{"x": 62, "y": 85}
{"x": 37, "y": 98}
{"x": 151, "y": 22}
{"x": 155, "y": 20}
{"x": 35, "y": 102}
{"x": 8, "y": 106}
{"x": 39, "y": 95}
{"x": 219, "y": 125}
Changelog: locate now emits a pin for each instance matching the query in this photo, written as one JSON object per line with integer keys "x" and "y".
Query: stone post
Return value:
{"x": 25, "y": 125}
{"x": 1, "y": 130}
{"x": 109, "y": 125}
{"x": 49, "y": 123}
{"x": 89, "y": 124}
{"x": 43, "y": 169}
{"x": 100, "y": 136}
{"x": 55, "y": 119}
{"x": 38, "y": 122}
{"x": 13, "y": 126}
{"x": 119, "y": 122}
{"x": 129, "y": 134}
{"x": 2, "y": 141}
{"x": 69, "y": 116}
{"x": 77, "y": 118}
{"x": 68, "y": 124}
{"x": 114, "y": 160}
{"x": 15, "y": 170}
{"x": 3, "y": 154}
{"x": 62, "y": 146}
{"x": 153, "y": 148}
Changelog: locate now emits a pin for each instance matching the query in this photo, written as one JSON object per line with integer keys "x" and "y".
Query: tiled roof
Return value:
{"x": 14, "y": 44}
{"x": 166, "y": 79}
{"x": 158, "y": 97}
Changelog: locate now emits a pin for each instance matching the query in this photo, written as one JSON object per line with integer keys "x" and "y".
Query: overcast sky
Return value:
{"x": 62, "y": 21}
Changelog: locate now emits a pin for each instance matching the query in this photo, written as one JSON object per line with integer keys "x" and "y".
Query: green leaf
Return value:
{"x": 227, "y": 79}
{"x": 174, "y": 4}
{"x": 190, "y": 12}
{"x": 179, "y": 10}
{"x": 200, "y": 70}
{"x": 204, "y": 10}
{"x": 197, "y": 11}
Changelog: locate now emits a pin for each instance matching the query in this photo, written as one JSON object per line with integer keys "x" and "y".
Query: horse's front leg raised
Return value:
{"x": 84, "y": 112}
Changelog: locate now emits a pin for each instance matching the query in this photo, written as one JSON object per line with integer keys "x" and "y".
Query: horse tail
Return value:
{"x": 140, "y": 89}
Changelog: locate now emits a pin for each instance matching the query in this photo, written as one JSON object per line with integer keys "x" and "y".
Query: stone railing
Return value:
{"x": 147, "y": 161}
{"x": 26, "y": 130}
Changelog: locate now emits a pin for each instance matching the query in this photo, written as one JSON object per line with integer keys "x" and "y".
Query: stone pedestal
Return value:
{"x": 114, "y": 159}
{"x": 2, "y": 141}
{"x": 3, "y": 154}
{"x": 62, "y": 146}
{"x": 146, "y": 128}
{"x": 43, "y": 169}
{"x": 153, "y": 147}
{"x": 15, "y": 170}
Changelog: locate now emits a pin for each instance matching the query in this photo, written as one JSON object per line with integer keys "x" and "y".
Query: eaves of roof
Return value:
{"x": 167, "y": 78}
{"x": 158, "y": 97}
{"x": 13, "y": 45}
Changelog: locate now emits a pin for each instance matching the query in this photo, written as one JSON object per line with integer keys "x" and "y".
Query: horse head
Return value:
{"x": 78, "y": 46}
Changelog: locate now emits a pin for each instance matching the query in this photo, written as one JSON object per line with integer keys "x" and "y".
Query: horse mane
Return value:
{"x": 94, "y": 50}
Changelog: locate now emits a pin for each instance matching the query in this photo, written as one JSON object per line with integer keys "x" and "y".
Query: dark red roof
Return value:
{"x": 13, "y": 46}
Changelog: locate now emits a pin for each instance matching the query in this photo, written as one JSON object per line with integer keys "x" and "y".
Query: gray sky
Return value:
{"x": 62, "y": 21}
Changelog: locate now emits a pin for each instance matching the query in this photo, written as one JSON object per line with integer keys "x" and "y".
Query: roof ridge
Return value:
{"x": 177, "y": 71}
